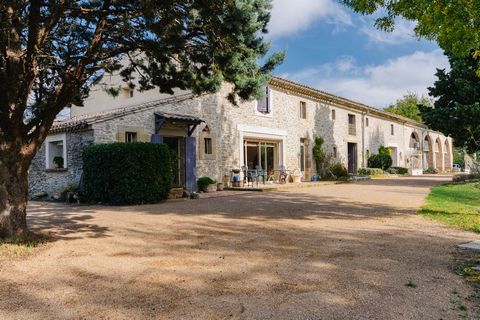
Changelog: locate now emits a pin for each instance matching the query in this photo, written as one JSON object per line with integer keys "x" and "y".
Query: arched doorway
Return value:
{"x": 439, "y": 155}
{"x": 414, "y": 141}
{"x": 447, "y": 156}
{"x": 427, "y": 153}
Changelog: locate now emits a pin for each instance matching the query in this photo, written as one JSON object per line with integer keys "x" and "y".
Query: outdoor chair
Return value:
{"x": 261, "y": 173}
{"x": 249, "y": 176}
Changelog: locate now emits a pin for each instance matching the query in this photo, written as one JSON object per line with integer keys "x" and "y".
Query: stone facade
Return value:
{"x": 50, "y": 180}
{"x": 231, "y": 128}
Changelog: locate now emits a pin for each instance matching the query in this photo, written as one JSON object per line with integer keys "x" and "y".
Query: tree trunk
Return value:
{"x": 13, "y": 196}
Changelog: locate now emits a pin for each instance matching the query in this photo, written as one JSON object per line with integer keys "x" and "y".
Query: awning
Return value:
{"x": 191, "y": 121}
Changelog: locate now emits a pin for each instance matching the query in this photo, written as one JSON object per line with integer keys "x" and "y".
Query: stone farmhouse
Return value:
{"x": 212, "y": 136}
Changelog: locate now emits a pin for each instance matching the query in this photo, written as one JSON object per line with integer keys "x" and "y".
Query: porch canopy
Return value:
{"x": 190, "y": 121}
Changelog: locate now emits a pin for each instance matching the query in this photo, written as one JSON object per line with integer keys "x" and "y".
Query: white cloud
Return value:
{"x": 376, "y": 85}
{"x": 290, "y": 17}
{"x": 403, "y": 32}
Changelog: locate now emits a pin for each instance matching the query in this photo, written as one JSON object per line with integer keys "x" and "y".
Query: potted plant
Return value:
{"x": 58, "y": 162}
{"x": 207, "y": 184}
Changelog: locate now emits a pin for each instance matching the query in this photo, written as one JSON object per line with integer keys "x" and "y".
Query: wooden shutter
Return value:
{"x": 263, "y": 104}
{"x": 155, "y": 138}
{"x": 190, "y": 164}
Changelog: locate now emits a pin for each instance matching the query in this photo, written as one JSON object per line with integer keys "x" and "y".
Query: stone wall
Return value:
{"x": 228, "y": 125}
{"x": 46, "y": 180}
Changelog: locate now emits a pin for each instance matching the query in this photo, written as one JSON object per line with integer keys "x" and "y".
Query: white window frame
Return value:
{"x": 55, "y": 138}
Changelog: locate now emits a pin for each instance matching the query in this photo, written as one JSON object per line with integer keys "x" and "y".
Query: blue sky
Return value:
{"x": 333, "y": 49}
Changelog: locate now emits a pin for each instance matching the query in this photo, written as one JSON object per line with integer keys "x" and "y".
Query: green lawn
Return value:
{"x": 455, "y": 204}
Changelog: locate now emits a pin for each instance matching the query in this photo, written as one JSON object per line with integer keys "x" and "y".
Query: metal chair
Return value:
{"x": 261, "y": 173}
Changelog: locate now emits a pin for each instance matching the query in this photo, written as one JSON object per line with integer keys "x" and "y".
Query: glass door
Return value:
{"x": 261, "y": 153}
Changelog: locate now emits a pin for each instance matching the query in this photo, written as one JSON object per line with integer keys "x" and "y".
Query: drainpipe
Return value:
{"x": 363, "y": 138}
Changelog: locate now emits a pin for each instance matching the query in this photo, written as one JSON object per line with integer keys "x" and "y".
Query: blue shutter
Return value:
{"x": 190, "y": 164}
{"x": 155, "y": 138}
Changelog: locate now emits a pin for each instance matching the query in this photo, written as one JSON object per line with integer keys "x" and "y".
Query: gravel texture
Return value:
{"x": 334, "y": 252}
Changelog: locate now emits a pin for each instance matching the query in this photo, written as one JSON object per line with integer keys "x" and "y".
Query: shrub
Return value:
{"x": 370, "y": 171}
{"x": 339, "y": 170}
{"x": 466, "y": 177}
{"x": 430, "y": 171}
{"x": 382, "y": 160}
{"x": 127, "y": 173}
{"x": 204, "y": 181}
{"x": 397, "y": 170}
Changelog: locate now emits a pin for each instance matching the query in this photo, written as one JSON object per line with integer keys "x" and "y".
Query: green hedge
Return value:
{"x": 370, "y": 171}
{"x": 127, "y": 173}
{"x": 397, "y": 170}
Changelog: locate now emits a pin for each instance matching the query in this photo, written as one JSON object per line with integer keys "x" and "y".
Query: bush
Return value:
{"x": 370, "y": 171}
{"x": 430, "y": 171}
{"x": 397, "y": 170}
{"x": 339, "y": 170}
{"x": 380, "y": 161}
{"x": 466, "y": 177}
{"x": 204, "y": 181}
{"x": 127, "y": 173}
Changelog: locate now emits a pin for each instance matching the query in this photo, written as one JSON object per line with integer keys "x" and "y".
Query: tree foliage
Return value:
{"x": 52, "y": 51}
{"x": 454, "y": 24}
{"x": 456, "y": 111}
{"x": 408, "y": 106}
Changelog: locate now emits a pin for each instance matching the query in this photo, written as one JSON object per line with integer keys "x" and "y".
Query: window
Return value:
{"x": 130, "y": 136}
{"x": 352, "y": 130}
{"x": 55, "y": 153}
{"x": 366, "y": 122}
{"x": 392, "y": 130}
{"x": 333, "y": 114}
{"x": 303, "y": 110}
{"x": 335, "y": 152}
{"x": 263, "y": 104}
{"x": 208, "y": 145}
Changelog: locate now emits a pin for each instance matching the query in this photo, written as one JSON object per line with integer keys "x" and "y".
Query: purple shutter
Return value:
{"x": 263, "y": 105}
{"x": 190, "y": 164}
{"x": 155, "y": 138}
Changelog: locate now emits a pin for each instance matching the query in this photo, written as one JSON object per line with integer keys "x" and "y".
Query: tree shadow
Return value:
{"x": 60, "y": 221}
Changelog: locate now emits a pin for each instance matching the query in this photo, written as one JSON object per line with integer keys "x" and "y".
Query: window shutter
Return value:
{"x": 263, "y": 104}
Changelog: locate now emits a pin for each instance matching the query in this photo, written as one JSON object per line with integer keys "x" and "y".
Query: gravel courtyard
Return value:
{"x": 331, "y": 252}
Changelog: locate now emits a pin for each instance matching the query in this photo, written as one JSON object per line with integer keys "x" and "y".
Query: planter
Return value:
{"x": 219, "y": 186}
{"x": 296, "y": 178}
{"x": 176, "y": 193}
{"x": 209, "y": 188}
{"x": 237, "y": 184}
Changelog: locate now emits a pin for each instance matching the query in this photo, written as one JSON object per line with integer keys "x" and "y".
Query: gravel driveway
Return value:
{"x": 332, "y": 252}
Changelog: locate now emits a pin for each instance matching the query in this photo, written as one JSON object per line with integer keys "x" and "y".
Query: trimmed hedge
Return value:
{"x": 127, "y": 173}
{"x": 397, "y": 170}
{"x": 370, "y": 171}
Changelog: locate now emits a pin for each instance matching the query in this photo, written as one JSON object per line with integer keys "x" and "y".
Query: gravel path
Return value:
{"x": 332, "y": 252}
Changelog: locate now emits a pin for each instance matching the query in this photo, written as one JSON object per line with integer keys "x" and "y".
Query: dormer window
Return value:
{"x": 264, "y": 103}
